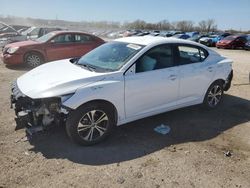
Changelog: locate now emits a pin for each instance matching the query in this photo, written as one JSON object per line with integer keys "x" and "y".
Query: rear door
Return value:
{"x": 83, "y": 44}
{"x": 195, "y": 72}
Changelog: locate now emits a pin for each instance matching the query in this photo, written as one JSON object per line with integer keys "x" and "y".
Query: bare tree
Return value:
{"x": 164, "y": 25}
{"x": 185, "y": 25}
{"x": 207, "y": 25}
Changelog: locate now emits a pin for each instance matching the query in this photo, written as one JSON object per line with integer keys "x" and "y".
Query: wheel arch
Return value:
{"x": 106, "y": 102}
{"x": 34, "y": 51}
{"x": 222, "y": 81}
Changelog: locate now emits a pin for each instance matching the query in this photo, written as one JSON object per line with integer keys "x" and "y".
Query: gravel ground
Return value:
{"x": 191, "y": 155}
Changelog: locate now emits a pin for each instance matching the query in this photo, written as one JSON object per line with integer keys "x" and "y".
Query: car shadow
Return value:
{"x": 21, "y": 67}
{"x": 138, "y": 138}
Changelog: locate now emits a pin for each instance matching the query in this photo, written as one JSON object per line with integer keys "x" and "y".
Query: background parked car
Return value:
{"x": 36, "y": 32}
{"x": 53, "y": 46}
{"x": 172, "y": 33}
{"x": 181, "y": 36}
{"x": 193, "y": 34}
{"x": 196, "y": 38}
{"x": 211, "y": 40}
{"x": 247, "y": 45}
{"x": 232, "y": 41}
{"x": 9, "y": 34}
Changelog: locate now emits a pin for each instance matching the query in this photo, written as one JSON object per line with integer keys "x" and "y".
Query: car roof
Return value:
{"x": 69, "y": 32}
{"x": 155, "y": 40}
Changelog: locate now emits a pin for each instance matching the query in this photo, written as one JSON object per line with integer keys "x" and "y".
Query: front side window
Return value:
{"x": 189, "y": 55}
{"x": 110, "y": 56}
{"x": 156, "y": 58}
{"x": 64, "y": 38}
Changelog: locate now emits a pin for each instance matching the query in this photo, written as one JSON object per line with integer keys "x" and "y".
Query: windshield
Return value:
{"x": 110, "y": 56}
{"x": 229, "y": 38}
{"x": 27, "y": 31}
{"x": 46, "y": 37}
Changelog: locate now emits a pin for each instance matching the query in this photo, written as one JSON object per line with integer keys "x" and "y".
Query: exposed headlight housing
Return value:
{"x": 12, "y": 50}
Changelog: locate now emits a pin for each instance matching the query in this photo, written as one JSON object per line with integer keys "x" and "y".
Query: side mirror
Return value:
{"x": 74, "y": 60}
{"x": 52, "y": 41}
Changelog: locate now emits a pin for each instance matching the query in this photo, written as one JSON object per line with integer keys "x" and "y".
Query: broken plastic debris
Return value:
{"x": 228, "y": 154}
{"x": 162, "y": 129}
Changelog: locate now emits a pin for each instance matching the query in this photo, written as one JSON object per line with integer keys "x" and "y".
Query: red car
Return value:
{"x": 52, "y": 46}
{"x": 232, "y": 41}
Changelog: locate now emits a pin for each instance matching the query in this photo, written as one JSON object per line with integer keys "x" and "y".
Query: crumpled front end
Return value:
{"x": 36, "y": 114}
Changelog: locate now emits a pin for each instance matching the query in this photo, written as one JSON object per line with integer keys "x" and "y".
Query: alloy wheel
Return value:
{"x": 33, "y": 60}
{"x": 214, "y": 96}
{"x": 93, "y": 125}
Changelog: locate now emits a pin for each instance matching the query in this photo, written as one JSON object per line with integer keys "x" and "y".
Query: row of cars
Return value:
{"x": 220, "y": 40}
{"x": 50, "y": 44}
{"x": 16, "y": 33}
{"x": 229, "y": 41}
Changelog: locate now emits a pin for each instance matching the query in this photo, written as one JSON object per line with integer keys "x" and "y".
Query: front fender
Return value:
{"x": 111, "y": 91}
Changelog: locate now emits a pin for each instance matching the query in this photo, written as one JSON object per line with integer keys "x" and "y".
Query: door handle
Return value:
{"x": 210, "y": 69}
{"x": 172, "y": 77}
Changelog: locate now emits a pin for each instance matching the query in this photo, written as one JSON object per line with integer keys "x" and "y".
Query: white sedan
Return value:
{"x": 119, "y": 82}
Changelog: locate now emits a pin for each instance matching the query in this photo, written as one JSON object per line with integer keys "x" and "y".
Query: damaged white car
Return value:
{"x": 119, "y": 82}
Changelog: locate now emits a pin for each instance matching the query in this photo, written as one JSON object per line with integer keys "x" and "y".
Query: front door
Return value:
{"x": 61, "y": 47}
{"x": 153, "y": 84}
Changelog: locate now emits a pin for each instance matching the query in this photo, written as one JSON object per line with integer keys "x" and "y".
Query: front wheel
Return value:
{"x": 33, "y": 59}
{"x": 214, "y": 95}
{"x": 90, "y": 123}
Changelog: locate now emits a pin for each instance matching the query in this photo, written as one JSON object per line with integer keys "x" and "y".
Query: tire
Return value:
{"x": 82, "y": 124}
{"x": 213, "y": 95}
{"x": 33, "y": 59}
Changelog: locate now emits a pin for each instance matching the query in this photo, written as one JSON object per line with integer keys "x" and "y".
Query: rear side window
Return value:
{"x": 83, "y": 38}
{"x": 190, "y": 54}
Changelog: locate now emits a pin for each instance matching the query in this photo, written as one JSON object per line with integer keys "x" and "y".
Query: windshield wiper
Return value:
{"x": 89, "y": 67}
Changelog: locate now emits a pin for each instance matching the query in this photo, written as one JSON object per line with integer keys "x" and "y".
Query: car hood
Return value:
{"x": 56, "y": 79}
{"x": 22, "y": 43}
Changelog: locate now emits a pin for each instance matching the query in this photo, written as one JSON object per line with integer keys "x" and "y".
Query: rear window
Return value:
{"x": 229, "y": 38}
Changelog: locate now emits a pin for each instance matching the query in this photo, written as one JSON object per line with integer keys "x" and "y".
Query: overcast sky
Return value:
{"x": 228, "y": 14}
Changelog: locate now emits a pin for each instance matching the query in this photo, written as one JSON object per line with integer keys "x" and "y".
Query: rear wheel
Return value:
{"x": 214, "y": 95}
{"x": 90, "y": 123}
{"x": 33, "y": 59}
